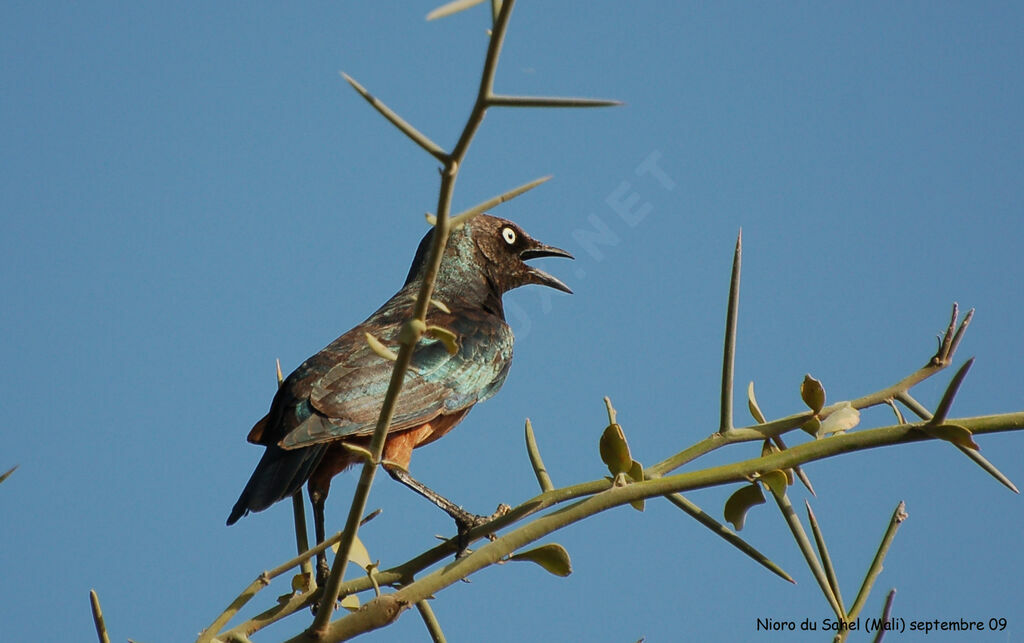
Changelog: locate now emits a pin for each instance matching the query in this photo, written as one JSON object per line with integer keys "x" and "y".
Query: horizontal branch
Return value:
{"x": 386, "y": 608}
{"x": 500, "y": 100}
{"x": 788, "y": 423}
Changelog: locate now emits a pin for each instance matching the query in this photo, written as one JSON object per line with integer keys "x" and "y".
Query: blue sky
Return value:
{"x": 190, "y": 191}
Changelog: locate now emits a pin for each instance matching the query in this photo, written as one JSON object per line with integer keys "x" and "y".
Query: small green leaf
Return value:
{"x": 552, "y": 557}
{"x": 301, "y": 582}
{"x": 755, "y": 410}
{"x": 358, "y": 553}
{"x": 350, "y": 602}
{"x": 812, "y": 425}
{"x": 446, "y": 337}
{"x": 777, "y": 481}
{"x": 958, "y": 435}
{"x": 844, "y": 418}
{"x": 740, "y": 502}
{"x": 380, "y": 349}
{"x": 614, "y": 450}
{"x": 813, "y": 393}
{"x": 636, "y": 474}
{"x": 768, "y": 448}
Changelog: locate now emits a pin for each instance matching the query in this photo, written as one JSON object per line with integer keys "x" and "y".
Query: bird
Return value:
{"x": 331, "y": 402}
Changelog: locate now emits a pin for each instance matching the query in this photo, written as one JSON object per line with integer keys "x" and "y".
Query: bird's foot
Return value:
{"x": 466, "y": 522}
{"x": 323, "y": 572}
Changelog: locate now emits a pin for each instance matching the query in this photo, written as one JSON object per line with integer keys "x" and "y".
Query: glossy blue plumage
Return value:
{"x": 336, "y": 395}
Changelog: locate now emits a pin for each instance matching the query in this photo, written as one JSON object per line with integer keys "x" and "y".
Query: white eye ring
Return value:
{"x": 509, "y": 235}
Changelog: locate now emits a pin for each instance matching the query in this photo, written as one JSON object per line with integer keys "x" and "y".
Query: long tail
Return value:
{"x": 279, "y": 474}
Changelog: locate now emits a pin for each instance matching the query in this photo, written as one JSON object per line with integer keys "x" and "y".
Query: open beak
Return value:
{"x": 537, "y": 275}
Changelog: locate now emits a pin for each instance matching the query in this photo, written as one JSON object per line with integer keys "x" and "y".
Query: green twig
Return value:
{"x": 947, "y": 397}
{"x": 97, "y": 615}
{"x": 413, "y": 330}
{"x": 262, "y": 581}
{"x": 449, "y": 8}
{"x": 418, "y": 137}
{"x": 915, "y": 407}
{"x": 923, "y": 413}
{"x": 788, "y": 423}
{"x": 950, "y": 340}
{"x": 8, "y": 473}
{"x": 886, "y": 614}
{"x": 777, "y": 439}
{"x": 896, "y": 411}
{"x": 430, "y": 620}
{"x": 543, "y": 479}
{"x": 500, "y": 100}
{"x": 826, "y": 560}
{"x": 594, "y": 497}
{"x": 805, "y": 548}
{"x": 382, "y": 611}
{"x": 464, "y": 216}
{"x": 898, "y": 516}
{"x": 729, "y": 352}
{"x": 727, "y": 534}
{"x": 988, "y": 467}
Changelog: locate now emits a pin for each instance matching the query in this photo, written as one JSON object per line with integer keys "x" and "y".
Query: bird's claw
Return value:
{"x": 466, "y": 522}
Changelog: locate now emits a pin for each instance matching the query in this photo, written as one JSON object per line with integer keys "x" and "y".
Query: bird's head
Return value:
{"x": 490, "y": 252}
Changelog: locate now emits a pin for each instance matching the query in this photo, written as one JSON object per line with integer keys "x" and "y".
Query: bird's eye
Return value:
{"x": 509, "y": 235}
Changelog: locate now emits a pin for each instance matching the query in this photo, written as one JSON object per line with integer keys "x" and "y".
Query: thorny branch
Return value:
{"x": 578, "y": 502}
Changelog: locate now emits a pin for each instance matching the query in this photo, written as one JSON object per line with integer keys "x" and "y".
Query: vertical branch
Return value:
{"x": 433, "y": 627}
{"x": 898, "y": 516}
{"x": 729, "y": 353}
{"x": 415, "y": 327}
{"x": 805, "y": 548}
{"x": 826, "y": 560}
{"x": 886, "y": 614}
{"x": 543, "y": 479}
{"x": 97, "y": 617}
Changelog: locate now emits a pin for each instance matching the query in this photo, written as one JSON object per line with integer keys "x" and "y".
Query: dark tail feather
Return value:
{"x": 279, "y": 474}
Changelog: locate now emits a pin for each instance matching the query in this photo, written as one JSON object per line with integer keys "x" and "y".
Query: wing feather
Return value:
{"x": 346, "y": 400}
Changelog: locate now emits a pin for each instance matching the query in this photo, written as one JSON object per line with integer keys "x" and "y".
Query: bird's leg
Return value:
{"x": 464, "y": 520}
{"x": 317, "y": 498}
{"x": 458, "y": 513}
